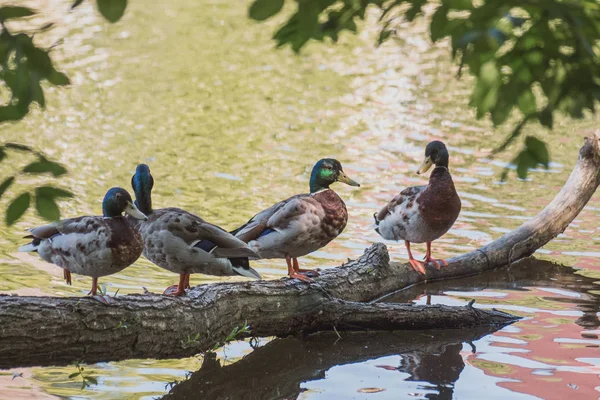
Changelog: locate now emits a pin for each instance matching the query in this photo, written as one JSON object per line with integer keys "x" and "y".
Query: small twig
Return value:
{"x": 336, "y": 332}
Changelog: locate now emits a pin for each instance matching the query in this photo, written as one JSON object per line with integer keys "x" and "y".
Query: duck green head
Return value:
{"x": 142, "y": 183}
{"x": 118, "y": 201}
{"x": 435, "y": 153}
{"x": 327, "y": 171}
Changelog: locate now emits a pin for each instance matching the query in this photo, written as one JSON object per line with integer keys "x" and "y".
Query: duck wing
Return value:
{"x": 408, "y": 195}
{"x": 80, "y": 225}
{"x": 276, "y": 217}
{"x": 198, "y": 233}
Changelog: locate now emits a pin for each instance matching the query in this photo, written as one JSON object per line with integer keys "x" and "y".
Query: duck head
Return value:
{"x": 118, "y": 201}
{"x": 435, "y": 153}
{"x": 142, "y": 183}
{"x": 327, "y": 171}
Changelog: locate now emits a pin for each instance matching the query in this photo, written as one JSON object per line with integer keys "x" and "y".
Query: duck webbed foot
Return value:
{"x": 308, "y": 272}
{"x": 416, "y": 264}
{"x": 292, "y": 273}
{"x": 438, "y": 262}
{"x": 178, "y": 290}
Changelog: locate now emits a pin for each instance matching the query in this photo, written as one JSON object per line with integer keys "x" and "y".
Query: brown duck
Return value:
{"x": 301, "y": 224}
{"x": 422, "y": 214}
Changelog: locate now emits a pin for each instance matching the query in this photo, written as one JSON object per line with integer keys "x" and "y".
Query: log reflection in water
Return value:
{"x": 530, "y": 272}
{"x": 277, "y": 370}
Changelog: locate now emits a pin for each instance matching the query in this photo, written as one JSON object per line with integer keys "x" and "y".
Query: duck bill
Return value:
{"x": 133, "y": 211}
{"x": 425, "y": 166}
{"x": 345, "y": 179}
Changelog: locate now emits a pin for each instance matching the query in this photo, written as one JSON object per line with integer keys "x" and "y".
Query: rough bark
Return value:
{"x": 276, "y": 370}
{"x": 44, "y": 330}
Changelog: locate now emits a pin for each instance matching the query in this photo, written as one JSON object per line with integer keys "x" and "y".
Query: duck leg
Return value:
{"x": 293, "y": 274}
{"x": 177, "y": 290}
{"x": 67, "y": 276}
{"x": 187, "y": 281}
{"x": 94, "y": 287}
{"x": 437, "y": 262}
{"x": 311, "y": 273}
{"x": 416, "y": 264}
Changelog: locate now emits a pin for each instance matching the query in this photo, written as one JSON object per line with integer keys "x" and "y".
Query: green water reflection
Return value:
{"x": 229, "y": 125}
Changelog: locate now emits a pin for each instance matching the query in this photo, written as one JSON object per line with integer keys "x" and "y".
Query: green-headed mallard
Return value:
{"x": 184, "y": 243}
{"x": 91, "y": 246}
{"x": 301, "y": 224}
{"x": 422, "y": 214}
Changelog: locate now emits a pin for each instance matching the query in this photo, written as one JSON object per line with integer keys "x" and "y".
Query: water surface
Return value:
{"x": 229, "y": 125}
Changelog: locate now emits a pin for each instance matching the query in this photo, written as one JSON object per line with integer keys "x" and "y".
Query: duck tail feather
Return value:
{"x": 241, "y": 266}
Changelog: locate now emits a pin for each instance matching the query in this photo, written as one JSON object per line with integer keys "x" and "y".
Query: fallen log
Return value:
{"x": 46, "y": 330}
{"x": 277, "y": 369}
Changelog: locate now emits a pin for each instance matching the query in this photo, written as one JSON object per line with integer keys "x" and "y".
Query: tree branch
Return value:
{"x": 46, "y": 330}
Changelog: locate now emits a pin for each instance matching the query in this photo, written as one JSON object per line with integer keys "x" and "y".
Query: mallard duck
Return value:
{"x": 184, "y": 243}
{"x": 422, "y": 214}
{"x": 301, "y": 224}
{"x": 91, "y": 246}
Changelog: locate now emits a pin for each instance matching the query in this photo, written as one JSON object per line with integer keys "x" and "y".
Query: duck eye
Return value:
{"x": 118, "y": 195}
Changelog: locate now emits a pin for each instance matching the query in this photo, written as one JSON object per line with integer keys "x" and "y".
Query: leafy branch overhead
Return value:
{"x": 535, "y": 59}
{"x": 45, "y": 196}
{"x": 25, "y": 68}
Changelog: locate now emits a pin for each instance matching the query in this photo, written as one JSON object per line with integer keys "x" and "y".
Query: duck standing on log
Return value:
{"x": 422, "y": 214}
{"x": 301, "y": 224}
{"x": 91, "y": 246}
{"x": 184, "y": 243}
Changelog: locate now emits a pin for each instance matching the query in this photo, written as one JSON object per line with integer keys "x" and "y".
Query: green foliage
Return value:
{"x": 25, "y": 69}
{"x": 534, "y": 153}
{"x": 112, "y": 10}
{"x": 532, "y": 59}
{"x": 17, "y": 208}
{"x": 45, "y": 196}
{"x": 86, "y": 379}
{"x": 260, "y": 10}
{"x": 24, "y": 66}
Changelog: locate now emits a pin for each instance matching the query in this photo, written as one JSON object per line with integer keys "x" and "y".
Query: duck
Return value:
{"x": 184, "y": 243}
{"x": 422, "y": 214}
{"x": 301, "y": 224}
{"x": 93, "y": 246}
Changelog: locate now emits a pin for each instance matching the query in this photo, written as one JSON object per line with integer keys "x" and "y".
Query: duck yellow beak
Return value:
{"x": 133, "y": 211}
{"x": 345, "y": 179}
{"x": 425, "y": 166}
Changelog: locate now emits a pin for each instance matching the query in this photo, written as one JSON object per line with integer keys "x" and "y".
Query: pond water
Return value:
{"x": 230, "y": 125}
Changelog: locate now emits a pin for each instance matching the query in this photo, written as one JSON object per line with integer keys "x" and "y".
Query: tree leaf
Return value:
{"x": 73, "y": 375}
{"x": 91, "y": 380}
{"x": 438, "y": 23}
{"x": 49, "y": 191}
{"x": 76, "y": 4}
{"x": 58, "y": 78}
{"x": 43, "y": 166}
{"x": 538, "y": 150}
{"x": 527, "y": 103}
{"x": 47, "y": 208}
{"x": 261, "y": 10}
{"x": 9, "y": 12}
{"x": 6, "y": 184}
{"x": 17, "y": 208}
{"x": 112, "y": 10}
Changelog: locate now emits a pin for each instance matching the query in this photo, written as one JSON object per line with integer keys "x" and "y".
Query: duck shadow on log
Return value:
{"x": 278, "y": 369}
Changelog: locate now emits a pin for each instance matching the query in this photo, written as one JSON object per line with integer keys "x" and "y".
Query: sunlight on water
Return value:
{"x": 229, "y": 126}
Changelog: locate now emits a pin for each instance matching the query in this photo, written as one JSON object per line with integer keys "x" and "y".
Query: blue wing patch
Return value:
{"x": 266, "y": 232}
{"x": 205, "y": 245}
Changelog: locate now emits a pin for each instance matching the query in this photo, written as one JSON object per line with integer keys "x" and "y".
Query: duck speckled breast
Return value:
{"x": 336, "y": 215}
{"x": 125, "y": 242}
